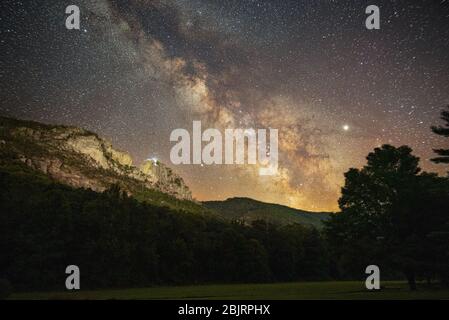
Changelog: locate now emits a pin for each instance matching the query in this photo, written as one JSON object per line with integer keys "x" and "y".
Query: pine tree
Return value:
{"x": 443, "y": 131}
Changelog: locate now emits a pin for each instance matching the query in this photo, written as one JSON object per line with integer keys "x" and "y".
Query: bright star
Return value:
{"x": 345, "y": 127}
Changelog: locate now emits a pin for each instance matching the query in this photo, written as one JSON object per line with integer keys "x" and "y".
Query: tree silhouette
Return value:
{"x": 391, "y": 216}
{"x": 443, "y": 131}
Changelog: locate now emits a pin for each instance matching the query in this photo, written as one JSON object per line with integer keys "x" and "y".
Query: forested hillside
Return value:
{"x": 118, "y": 241}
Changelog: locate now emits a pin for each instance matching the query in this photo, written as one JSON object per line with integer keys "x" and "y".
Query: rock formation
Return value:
{"x": 81, "y": 158}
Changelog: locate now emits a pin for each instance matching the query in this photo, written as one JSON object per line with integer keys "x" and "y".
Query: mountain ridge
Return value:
{"x": 248, "y": 210}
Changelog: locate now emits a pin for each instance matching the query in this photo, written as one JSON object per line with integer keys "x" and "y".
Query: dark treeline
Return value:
{"x": 392, "y": 215}
{"x": 118, "y": 242}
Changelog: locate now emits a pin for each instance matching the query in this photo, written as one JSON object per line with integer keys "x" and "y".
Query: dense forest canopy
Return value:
{"x": 119, "y": 242}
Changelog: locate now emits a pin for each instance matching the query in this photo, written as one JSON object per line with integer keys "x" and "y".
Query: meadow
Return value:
{"x": 346, "y": 290}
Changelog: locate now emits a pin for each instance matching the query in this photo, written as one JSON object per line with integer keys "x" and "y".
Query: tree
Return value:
{"x": 442, "y": 131}
{"x": 388, "y": 213}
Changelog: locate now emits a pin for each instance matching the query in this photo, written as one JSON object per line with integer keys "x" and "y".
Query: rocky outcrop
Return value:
{"x": 81, "y": 158}
{"x": 165, "y": 179}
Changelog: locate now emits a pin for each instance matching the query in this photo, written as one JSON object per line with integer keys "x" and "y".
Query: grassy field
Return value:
{"x": 284, "y": 291}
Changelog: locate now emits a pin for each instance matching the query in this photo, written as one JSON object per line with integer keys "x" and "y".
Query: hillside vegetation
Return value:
{"x": 118, "y": 241}
{"x": 248, "y": 210}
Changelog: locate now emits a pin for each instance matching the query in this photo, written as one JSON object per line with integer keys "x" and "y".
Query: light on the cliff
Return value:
{"x": 153, "y": 159}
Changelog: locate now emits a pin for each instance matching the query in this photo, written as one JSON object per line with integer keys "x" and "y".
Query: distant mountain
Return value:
{"x": 247, "y": 210}
{"x": 81, "y": 159}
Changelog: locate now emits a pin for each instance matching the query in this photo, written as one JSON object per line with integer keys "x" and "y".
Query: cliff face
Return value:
{"x": 80, "y": 158}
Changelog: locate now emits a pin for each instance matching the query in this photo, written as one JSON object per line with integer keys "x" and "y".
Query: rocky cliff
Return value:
{"x": 81, "y": 158}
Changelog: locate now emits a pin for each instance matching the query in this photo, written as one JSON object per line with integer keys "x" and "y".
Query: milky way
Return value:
{"x": 138, "y": 69}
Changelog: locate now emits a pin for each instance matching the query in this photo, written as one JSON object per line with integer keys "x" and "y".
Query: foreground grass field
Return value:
{"x": 284, "y": 291}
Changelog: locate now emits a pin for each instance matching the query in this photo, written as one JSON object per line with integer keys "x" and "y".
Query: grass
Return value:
{"x": 276, "y": 291}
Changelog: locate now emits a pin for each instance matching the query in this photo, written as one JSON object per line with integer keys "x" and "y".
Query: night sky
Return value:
{"x": 138, "y": 69}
